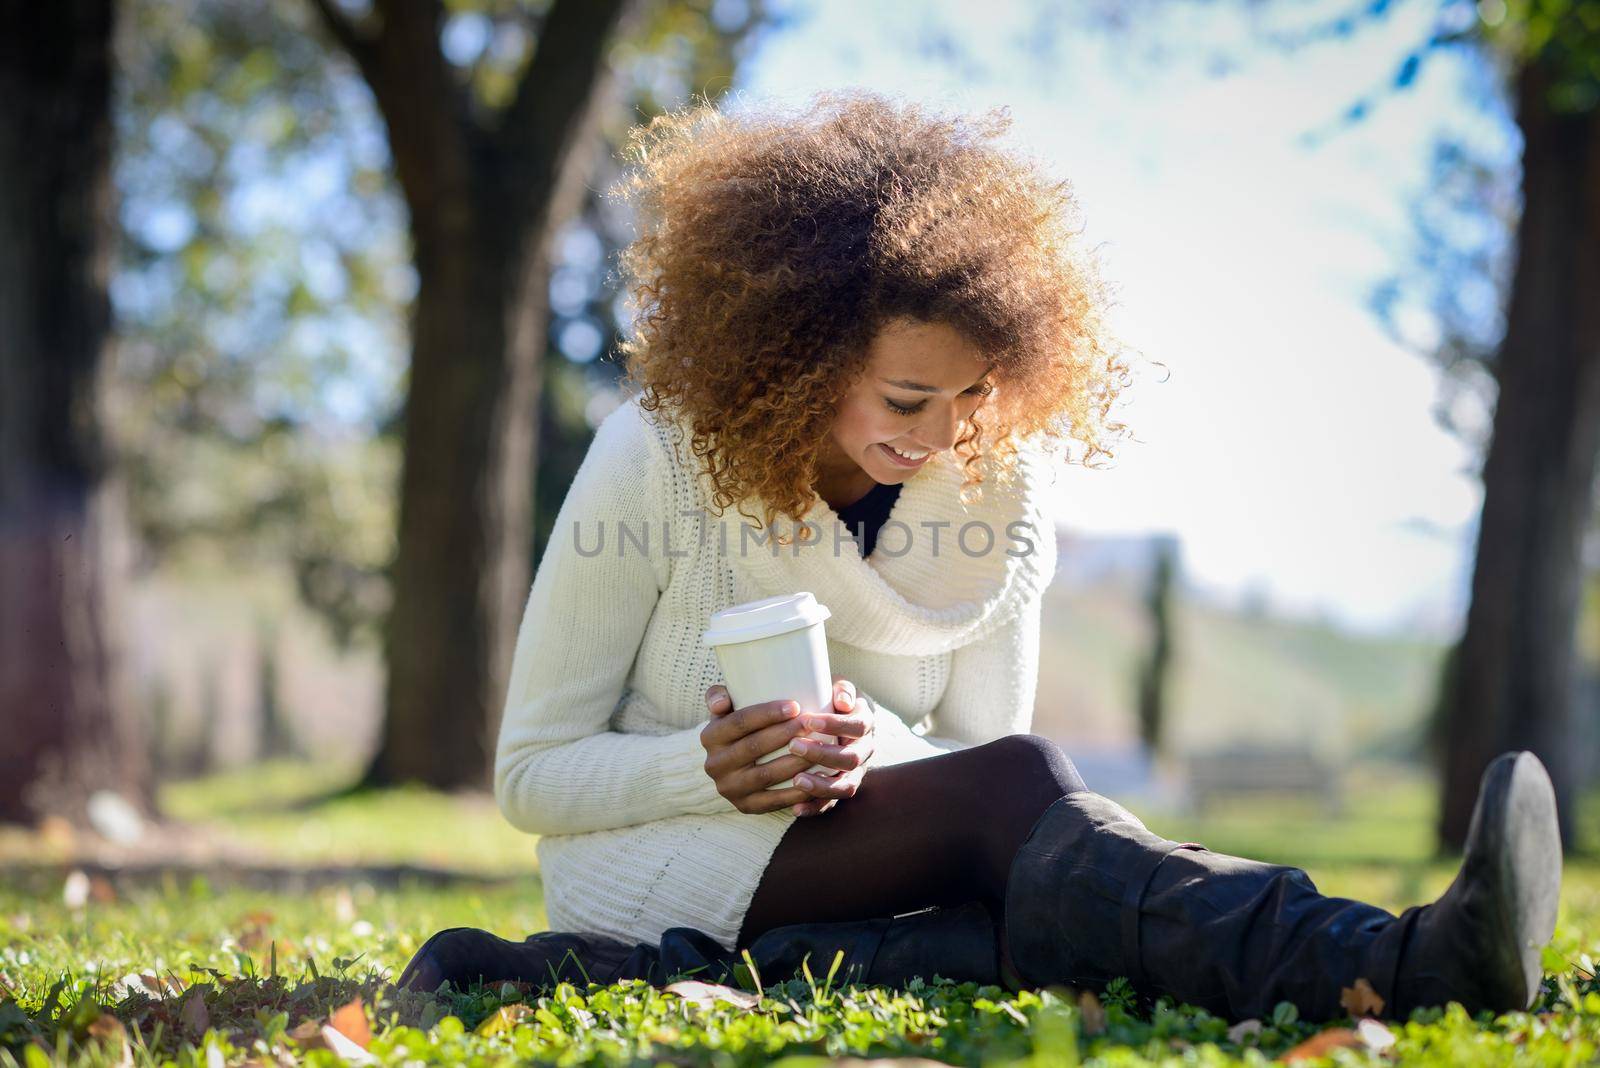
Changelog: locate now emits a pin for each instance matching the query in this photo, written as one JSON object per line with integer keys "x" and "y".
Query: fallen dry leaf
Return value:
{"x": 707, "y": 995}
{"x": 1238, "y": 1031}
{"x": 1377, "y": 1037}
{"x": 106, "y": 1026}
{"x": 253, "y": 927}
{"x": 1323, "y": 1044}
{"x": 345, "y": 1048}
{"x": 306, "y": 1031}
{"x": 1361, "y": 999}
{"x": 505, "y": 1018}
{"x": 350, "y": 1020}
{"x": 1093, "y": 1013}
{"x": 109, "y": 1030}
{"x": 194, "y": 1014}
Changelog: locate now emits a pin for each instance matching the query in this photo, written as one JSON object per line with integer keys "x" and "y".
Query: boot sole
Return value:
{"x": 1519, "y": 832}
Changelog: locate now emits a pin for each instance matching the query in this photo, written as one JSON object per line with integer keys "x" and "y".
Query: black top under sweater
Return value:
{"x": 864, "y": 517}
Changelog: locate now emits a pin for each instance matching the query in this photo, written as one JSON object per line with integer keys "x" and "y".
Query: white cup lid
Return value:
{"x": 764, "y": 618}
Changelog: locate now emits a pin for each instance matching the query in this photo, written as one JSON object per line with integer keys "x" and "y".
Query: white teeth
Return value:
{"x": 908, "y": 455}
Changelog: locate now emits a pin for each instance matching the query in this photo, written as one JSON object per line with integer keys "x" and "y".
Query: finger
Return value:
{"x": 772, "y": 800}
{"x": 742, "y": 753}
{"x": 843, "y": 757}
{"x": 761, "y": 776}
{"x": 718, "y": 701}
{"x": 844, "y": 694}
{"x": 814, "y": 808}
{"x": 724, "y": 730}
{"x": 823, "y": 787}
{"x": 854, "y": 725}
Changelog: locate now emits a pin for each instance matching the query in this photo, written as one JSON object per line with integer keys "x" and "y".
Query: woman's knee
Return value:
{"x": 1035, "y": 761}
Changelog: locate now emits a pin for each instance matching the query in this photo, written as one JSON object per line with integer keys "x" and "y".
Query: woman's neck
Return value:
{"x": 841, "y": 482}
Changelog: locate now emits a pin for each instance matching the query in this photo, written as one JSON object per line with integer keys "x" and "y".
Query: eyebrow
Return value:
{"x": 922, "y": 387}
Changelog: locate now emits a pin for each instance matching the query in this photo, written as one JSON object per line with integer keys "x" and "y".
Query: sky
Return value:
{"x": 1287, "y": 440}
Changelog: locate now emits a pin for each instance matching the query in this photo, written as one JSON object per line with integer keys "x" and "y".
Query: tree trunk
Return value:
{"x": 482, "y": 224}
{"x": 1513, "y": 688}
{"x": 69, "y": 728}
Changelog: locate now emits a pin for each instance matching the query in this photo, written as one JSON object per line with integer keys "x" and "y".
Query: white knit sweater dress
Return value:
{"x": 599, "y": 748}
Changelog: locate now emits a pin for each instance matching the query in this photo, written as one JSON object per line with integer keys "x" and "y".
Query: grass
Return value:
{"x": 264, "y": 964}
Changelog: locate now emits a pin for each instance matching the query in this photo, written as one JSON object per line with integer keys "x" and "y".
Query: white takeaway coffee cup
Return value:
{"x": 774, "y": 649}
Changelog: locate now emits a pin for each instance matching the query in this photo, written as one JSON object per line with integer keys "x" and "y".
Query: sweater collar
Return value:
{"x": 910, "y": 597}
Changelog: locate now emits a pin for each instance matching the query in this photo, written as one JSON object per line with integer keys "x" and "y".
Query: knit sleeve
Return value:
{"x": 559, "y": 769}
{"x": 992, "y": 684}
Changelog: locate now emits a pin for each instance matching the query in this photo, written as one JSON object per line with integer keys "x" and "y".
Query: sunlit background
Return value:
{"x": 1307, "y": 215}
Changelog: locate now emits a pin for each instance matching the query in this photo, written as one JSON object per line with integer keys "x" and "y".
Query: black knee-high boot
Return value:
{"x": 958, "y": 943}
{"x": 1093, "y": 894}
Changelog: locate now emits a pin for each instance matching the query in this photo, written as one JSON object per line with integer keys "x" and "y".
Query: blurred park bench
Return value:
{"x": 1276, "y": 770}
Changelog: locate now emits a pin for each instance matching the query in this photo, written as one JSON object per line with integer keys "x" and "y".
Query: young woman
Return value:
{"x": 862, "y": 329}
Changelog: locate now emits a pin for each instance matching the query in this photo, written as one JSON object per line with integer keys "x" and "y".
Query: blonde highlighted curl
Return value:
{"x": 773, "y": 246}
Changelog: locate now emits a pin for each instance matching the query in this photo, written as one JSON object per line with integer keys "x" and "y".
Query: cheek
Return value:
{"x": 859, "y": 429}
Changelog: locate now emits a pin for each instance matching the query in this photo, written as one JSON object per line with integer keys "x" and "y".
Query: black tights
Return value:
{"x": 936, "y": 831}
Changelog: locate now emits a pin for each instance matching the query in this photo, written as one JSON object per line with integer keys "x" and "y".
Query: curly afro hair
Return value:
{"x": 772, "y": 246}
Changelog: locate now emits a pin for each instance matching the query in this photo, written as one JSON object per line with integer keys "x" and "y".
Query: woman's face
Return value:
{"x": 922, "y": 381}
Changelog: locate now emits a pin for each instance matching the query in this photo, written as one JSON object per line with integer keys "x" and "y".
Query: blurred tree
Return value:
{"x": 69, "y": 727}
{"x": 1154, "y": 670}
{"x": 1518, "y": 336}
{"x": 483, "y": 187}
{"x": 268, "y": 274}
{"x": 1533, "y": 369}
{"x": 1516, "y": 684}
{"x": 275, "y": 736}
{"x": 259, "y": 300}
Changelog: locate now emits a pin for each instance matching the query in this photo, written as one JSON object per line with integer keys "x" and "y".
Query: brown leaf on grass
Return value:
{"x": 253, "y": 927}
{"x": 101, "y": 890}
{"x": 107, "y": 1028}
{"x": 1377, "y": 1037}
{"x": 306, "y": 1031}
{"x": 162, "y": 985}
{"x": 1361, "y": 999}
{"x": 1093, "y": 1013}
{"x": 310, "y": 1034}
{"x": 344, "y": 1047}
{"x": 505, "y": 1018}
{"x": 707, "y": 995}
{"x": 350, "y": 1020}
{"x": 194, "y": 1015}
{"x": 1324, "y": 1044}
{"x": 1238, "y": 1032}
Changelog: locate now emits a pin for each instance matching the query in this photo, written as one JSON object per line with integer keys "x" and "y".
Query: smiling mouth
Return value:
{"x": 902, "y": 461}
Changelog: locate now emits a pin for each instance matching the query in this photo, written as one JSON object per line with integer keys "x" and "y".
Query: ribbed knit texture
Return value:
{"x": 599, "y": 749}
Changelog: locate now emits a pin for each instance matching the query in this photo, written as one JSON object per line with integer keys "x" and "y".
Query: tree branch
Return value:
{"x": 355, "y": 40}
{"x": 536, "y": 131}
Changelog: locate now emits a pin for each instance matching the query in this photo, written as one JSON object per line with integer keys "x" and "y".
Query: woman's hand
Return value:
{"x": 854, "y": 730}
{"x": 735, "y": 738}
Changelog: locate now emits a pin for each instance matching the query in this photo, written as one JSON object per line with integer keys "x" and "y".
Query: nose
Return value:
{"x": 941, "y": 434}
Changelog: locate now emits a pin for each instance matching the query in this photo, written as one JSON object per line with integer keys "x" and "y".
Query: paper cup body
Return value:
{"x": 776, "y": 649}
